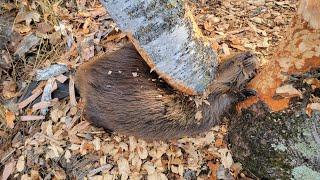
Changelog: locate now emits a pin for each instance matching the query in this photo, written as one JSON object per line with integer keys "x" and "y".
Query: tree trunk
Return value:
{"x": 167, "y": 37}
{"x": 277, "y": 136}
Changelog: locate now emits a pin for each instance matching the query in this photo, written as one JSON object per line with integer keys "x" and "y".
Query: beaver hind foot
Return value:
{"x": 120, "y": 94}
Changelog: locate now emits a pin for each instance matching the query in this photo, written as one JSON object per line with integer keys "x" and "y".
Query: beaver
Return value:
{"x": 121, "y": 94}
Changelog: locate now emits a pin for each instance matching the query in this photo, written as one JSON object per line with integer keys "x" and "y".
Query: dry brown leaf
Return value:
{"x": 21, "y": 28}
{"x": 208, "y": 26}
{"x": 44, "y": 27}
{"x": 236, "y": 169}
{"x": 20, "y": 164}
{"x": 10, "y": 117}
{"x": 8, "y": 6}
{"x": 9, "y": 89}
{"x": 312, "y": 107}
{"x": 59, "y": 174}
{"x": 8, "y": 170}
{"x": 28, "y": 17}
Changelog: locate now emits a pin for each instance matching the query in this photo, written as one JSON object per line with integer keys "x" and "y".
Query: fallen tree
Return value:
{"x": 167, "y": 37}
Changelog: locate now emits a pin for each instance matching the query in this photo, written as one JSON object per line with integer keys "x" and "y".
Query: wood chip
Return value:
{"x": 106, "y": 167}
{"x": 72, "y": 94}
{"x": 21, "y": 163}
{"x": 46, "y": 96}
{"x": 61, "y": 78}
{"x": 31, "y": 118}
{"x": 27, "y": 101}
{"x": 43, "y": 104}
{"x": 288, "y": 91}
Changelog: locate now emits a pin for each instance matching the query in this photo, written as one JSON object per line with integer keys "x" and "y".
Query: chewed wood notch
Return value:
{"x": 310, "y": 11}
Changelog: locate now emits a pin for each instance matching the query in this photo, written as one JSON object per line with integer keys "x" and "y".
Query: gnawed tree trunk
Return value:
{"x": 167, "y": 37}
{"x": 275, "y": 137}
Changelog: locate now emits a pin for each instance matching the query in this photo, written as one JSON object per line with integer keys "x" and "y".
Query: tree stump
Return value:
{"x": 277, "y": 134}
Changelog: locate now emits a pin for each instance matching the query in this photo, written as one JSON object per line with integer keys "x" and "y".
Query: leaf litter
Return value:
{"x": 51, "y": 39}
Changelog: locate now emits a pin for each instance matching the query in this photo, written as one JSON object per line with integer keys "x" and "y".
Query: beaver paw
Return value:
{"x": 245, "y": 93}
{"x": 237, "y": 71}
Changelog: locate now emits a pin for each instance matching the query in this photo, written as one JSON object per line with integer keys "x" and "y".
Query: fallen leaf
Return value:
{"x": 44, "y": 27}
{"x": 236, "y": 169}
{"x": 8, "y": 170}
{"x": 10, "y": 117}
{"x": 9, "y": 89}
{"x": 312, "y": 107}
{"x": 28, "y": 17}
{"x": 26, "y": 44}
{"x": 20, "y": 164}
{"x": 22, "y": 29}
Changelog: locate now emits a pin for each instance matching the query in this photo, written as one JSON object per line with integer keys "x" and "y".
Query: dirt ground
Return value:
{"x": 47, "y": 138}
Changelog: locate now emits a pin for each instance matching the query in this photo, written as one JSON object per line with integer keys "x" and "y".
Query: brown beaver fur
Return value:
{"x": 118, "y": 100}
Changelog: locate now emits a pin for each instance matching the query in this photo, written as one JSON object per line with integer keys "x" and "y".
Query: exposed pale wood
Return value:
{"x": 298, "y": 53}
{"x": 167, "y": 37}
{"x": 273, "y": 136}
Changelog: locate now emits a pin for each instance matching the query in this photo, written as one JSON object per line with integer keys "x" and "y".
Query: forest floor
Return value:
{"x": 43, "y": 138}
